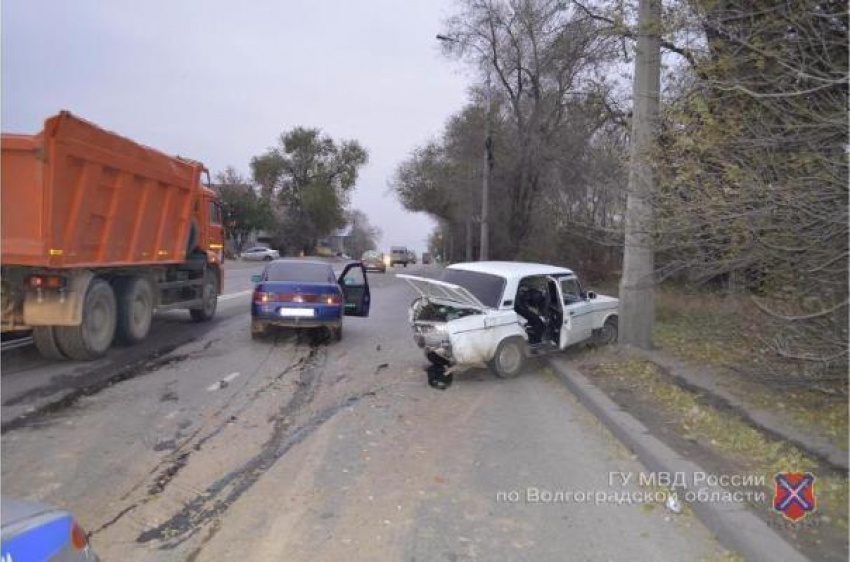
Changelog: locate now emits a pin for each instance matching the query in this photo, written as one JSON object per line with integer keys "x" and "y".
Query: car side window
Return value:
{"x": 354, "y": 277}
{"x": 215, "y": 213}
{"x": 571, "y": 290}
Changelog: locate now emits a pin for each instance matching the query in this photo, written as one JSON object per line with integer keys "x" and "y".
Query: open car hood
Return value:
{"x": 440, "y": 292}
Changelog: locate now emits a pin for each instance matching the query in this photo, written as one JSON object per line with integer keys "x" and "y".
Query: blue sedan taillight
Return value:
{"x": 262, "y": 297}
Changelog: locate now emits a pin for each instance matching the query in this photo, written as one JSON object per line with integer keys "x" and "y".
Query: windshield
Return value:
{"x": 294, "y": 271}
{"x": 371, "y": 255}
{"x": 485, "y": 287}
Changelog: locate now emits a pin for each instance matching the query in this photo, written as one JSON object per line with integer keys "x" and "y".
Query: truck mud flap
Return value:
{"x": 58, "y": 308}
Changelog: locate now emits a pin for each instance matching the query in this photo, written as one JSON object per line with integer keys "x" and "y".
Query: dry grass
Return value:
{"x": 704, "y": 327}
{"x": 726, "y": 434}
{"x": 713, "y": 329}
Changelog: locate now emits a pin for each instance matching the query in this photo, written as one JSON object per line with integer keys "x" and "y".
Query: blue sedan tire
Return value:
{"x": 259, "y": 329}
{"x": 336, "y": 331}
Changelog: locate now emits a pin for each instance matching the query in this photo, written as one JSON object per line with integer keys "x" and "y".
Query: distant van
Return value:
{"x": 399, "y": 255}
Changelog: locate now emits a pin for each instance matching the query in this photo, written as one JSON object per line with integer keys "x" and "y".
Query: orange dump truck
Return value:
{"x": 98, "y": 232}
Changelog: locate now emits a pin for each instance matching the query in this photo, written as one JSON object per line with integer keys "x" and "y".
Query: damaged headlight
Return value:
{"x": 430, "y": 329}
{"x": 430, "y": 335}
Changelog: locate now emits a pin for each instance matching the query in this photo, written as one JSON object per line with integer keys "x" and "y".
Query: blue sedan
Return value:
{"x": 307, "y": 294}
{"x": 34, "y": 532}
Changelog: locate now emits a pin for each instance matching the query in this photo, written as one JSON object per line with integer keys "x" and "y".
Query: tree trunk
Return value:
{"x": 637, "y": 304}
{"x": 469, "y": 239}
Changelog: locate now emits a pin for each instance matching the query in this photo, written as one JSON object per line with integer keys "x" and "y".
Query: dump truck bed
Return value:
{"x": 76, "y": 195}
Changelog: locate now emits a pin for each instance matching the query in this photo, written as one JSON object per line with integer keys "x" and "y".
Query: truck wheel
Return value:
{"x": 94, "y": 335}
{"x": 134, "y": 297}
{"x": 210, "y": 297}
{"x": 509, "y": 360}
{"x": 45, "y": 342}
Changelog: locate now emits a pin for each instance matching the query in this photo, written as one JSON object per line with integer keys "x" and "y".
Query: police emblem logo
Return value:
{"x": 794, "y": 494}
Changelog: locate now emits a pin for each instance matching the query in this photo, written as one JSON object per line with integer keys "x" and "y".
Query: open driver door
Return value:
{"x": 355, "y": 287}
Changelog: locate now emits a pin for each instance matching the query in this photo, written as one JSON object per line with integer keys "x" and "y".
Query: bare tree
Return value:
{"x": 543, "y": 57}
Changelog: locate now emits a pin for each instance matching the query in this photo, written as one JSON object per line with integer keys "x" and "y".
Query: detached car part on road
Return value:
{"x": 500, "y": 313}
{"x": 33, "y": 532}
{"x": 297, "y": 293}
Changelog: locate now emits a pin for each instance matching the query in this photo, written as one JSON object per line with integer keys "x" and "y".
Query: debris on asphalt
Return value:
{"x": 438, "y": 377}
{"x": 673, "y": 503}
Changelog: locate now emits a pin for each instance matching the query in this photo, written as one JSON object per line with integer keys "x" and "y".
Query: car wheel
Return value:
{"x": 259, "y": 330}
{"x": 608, "y": 334}
{"x": 267, "y": 258}
{"x": 509, "y": 360}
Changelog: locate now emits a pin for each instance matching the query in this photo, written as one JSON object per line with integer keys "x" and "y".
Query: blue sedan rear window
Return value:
{"x": 294, "y": 271}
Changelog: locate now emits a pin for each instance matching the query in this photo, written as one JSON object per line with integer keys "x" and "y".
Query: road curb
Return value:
{"x": 732, "y": 523}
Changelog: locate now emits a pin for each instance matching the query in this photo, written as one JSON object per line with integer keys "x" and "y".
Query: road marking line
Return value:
{"x": 231, "y": 377}
{"x": 235, "y": 295}
{"x": 223, "y": 382}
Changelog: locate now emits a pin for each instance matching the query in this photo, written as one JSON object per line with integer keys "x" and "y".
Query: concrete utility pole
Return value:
{"x": 484, "y": 251}
{"x": 637, "y": 287}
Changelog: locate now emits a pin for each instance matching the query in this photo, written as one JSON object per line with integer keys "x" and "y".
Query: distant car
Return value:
{"x": 399, "y": 255}
{"x": 260, "y": 254}
{"x": 412, "y": 257}
{"x": 35, "y": 531}
{"x": 374, "y": 261}
{"x": 307, "y": 294}
{"x": 426, "y": 258}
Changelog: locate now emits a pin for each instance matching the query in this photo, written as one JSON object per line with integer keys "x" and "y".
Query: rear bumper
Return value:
{"x": 297, "y": 322}
{"x": 270, "y": 314}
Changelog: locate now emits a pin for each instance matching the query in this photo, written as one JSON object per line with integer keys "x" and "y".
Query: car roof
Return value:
{"x": 511, "y": 269}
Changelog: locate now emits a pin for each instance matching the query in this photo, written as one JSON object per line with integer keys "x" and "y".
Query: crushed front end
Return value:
{"x": 430, "y": 322}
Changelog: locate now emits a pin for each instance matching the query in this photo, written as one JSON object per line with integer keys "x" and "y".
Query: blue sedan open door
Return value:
{"x": 355, "y": 287}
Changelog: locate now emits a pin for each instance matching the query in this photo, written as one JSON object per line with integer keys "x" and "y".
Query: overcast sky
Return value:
{"x": 219, "y": 80}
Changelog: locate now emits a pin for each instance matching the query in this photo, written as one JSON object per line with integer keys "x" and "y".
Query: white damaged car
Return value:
{"x": 500, "y": 313}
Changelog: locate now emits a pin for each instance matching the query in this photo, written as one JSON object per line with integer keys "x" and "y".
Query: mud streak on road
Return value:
{"x": 147, "y": 366}
{"x": 210, "y": 505}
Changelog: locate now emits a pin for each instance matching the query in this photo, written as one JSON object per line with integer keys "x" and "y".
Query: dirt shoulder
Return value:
{"x": 724, "y": 440}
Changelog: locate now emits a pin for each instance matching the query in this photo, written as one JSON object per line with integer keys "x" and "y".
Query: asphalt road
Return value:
{"x": 202, "y": 444}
